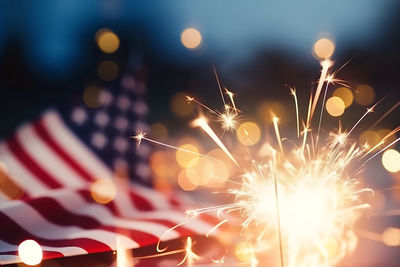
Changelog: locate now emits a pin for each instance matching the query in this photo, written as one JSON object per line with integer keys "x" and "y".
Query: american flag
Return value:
{"x": 49, "y": 168}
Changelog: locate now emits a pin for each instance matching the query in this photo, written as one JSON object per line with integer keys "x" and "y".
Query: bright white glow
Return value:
{"x": 30, "y": 252}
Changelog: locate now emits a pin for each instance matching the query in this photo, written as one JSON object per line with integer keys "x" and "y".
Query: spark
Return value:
{"x": 142, "y": 136}
{"x": 293, "y": 92}
{"x": 228, "y": 120}
{"x": 317, "y": 198}
{"x": 326, "y": 64}
{"x": 190, "y": 256}
{"x": 230, "y": 94}
{"x": 278, "y": 136}
{"x": 278, "y": 216}
{"x": 202, "y": 123}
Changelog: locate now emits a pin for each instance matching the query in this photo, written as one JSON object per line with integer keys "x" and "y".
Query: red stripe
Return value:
{"x": 139, "y": 201}
{"x": 52, "y": 211}
{"x": 12, "y": 233}
{"x": 88, "y": 197}
{"x": 42, "y": 132}
{"x": 26, "y": 160}
{"x": 111, "y": 207}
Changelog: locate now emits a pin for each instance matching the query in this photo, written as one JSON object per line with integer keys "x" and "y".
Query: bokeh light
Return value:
{"x": 91, "y": 97}
{"x": 30, "y": 252}
{"x": 391, "y": 160}
{"x": 383, "y": 133}
{"x": 159, "y": 131}
{"x": 103, "y": 191}
{"x": 107, "y": 41}
{"x": 164, "y": 166}
{"x": 244, "y": 251}
{"x": 329, "y": 247}
{"x": 108, "y": 70}
{"x": 324, "y": 48}
{"x": 180, "y": 106}
{"x": 222, "y": 168}
{"x": 202, "y": 172}
{"x": 187, "y": 159}
{"x": 7, "y": 186}
{"x": 391, "y": 237}
{"x": 364, "y": 94}
{"x": 191, "y": 38}
{"x": 369, "y": 139}
{"x": 345, "y": 94}
{"x": 269, "y": 109}
{"x": 248, "y": 133}
{"x": 184, "y": 182}
{"x": 335, "y": 106}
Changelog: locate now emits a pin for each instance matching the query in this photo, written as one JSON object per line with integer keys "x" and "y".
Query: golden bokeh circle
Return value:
{"x": 103, "y": 191}
{"x": 391, "y": 160}
{"x": 248, "y": 133}
{"x": 345, "y": 94}
{"x": 180, "y": 106}
{"x": 185, "y": 158}
{"x": 335, "y": 106}
{"x": 364, "y": 95}
{"x": 391, "y": 237}
{"x": 107, "y": 41}
{"x": 107, "y": 70}
{"x": 91, "y": 97}
{"x": 191, "y": 38}
{"x": 324, "y": 48}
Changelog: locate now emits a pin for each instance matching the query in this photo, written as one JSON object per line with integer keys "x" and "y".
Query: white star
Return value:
{"x": 121, "y": 123}
{"x": 101, "y": 118}
{"x": 98, "y": 140}
{"x": 105, "y": 98}
{"x": 140, "y": 108}
{"x": 128, "y": 82}
{"x": 143, "y": 171}
{"x": 79, "y": 116}
{"x": 120, "y": 144}
{"x": 123, "y": 103}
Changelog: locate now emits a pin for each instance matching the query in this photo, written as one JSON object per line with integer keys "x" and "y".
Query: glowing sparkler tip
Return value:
{"x": 189, "y": 98}
{"x": 326, "y": 63}
{"x": 190, "y": 256}
{"x": 200, "y": 121}
{"x": 229, "y": 93}
{"x": 330, "y": 78}
{"x": 139, "y": 137}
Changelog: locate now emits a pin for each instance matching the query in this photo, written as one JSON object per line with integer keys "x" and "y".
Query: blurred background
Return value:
{"x": 53, "y": 53}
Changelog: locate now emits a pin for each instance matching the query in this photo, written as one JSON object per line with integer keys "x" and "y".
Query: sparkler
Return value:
{"x": 304, "y": 197}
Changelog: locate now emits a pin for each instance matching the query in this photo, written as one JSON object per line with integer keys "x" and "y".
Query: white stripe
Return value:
{"x": 74, "y": 146}
{"x": 66, "y": 251}
{"x": 123, "y": 202}
{"x": 129, "y": 211}
{"x": 99, "y": 212}
{"x": 156, "y": 199}
{"x": 7, "y": 259}
{"x": 78, "y": 205}
{"x": 20, "y": 175}
{"x": 33, "y": 145}
{"x": 24, "y": 215}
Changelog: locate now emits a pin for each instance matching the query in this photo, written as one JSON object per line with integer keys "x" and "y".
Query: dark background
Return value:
{"x": 48, "y": 55}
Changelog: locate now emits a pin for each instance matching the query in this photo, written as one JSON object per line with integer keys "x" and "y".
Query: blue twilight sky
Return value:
{"x": 56, "y": 35}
